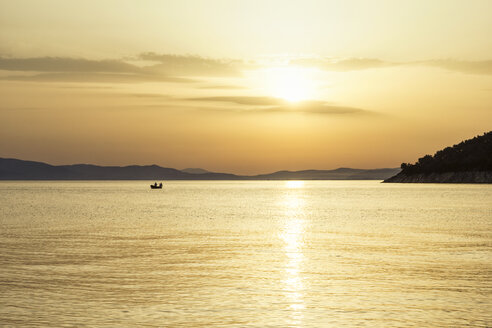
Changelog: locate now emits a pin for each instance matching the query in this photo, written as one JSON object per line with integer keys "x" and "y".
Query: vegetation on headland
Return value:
{"x": 468, "y": 161}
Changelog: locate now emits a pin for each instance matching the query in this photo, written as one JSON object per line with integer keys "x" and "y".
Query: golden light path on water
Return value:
{"x": 292, "y": 236}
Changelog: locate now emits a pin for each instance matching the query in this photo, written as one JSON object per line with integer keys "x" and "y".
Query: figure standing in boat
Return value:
{"x": 156, "y": 186}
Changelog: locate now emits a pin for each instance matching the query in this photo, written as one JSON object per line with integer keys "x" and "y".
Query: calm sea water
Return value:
{"x": 245, "y": 254}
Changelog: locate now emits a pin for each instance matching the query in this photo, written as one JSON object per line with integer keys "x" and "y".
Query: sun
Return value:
{"x": 292, "y": 84}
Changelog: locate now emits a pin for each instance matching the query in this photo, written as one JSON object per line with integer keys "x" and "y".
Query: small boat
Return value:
{"x": 156, "y": 186}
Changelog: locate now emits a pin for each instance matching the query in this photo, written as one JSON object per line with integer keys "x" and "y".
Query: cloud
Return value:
{"x": 222, "y": 87}
{"x": 462, "y": 66}
{"x": 169, "y": 68}
{"x": 62, "y": 69}
{"x": 354, "y": 64}
{"x": 320, "y": 107}
{"x": 342, "y": 65}
{"x": 191, "y": 65}
{"x": 150, "y": 95}
{"x": 153, "y": 67}
{"x": 91, "y": 77}
{"x": 243, "y": 100}
{"x": 277, "y": 105}
{"x": 62, "y": 64}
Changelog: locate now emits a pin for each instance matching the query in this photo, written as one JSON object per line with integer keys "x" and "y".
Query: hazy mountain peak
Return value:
{"x": 195, "y": 170}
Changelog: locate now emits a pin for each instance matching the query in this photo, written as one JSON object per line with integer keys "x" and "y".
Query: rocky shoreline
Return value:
{"x": 443, "y": 177}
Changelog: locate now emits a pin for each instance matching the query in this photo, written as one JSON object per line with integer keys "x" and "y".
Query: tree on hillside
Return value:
{"x": 470, "y": 155}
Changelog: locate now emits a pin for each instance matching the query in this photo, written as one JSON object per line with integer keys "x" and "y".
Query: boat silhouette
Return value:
{"x": 156, "y": 186}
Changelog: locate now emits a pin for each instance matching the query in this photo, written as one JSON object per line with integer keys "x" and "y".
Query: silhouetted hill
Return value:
{"x": 195, "y": 170}
{"x": 338, "y": 174}
{"x": 15, "y": 169}
{"x": 470, "y": 161}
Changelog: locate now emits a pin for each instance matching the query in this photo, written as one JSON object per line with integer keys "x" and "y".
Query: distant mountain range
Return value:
{"x": 195, "y": 170}
{"x": 337, "y": 174}
{"x": 15, "y": 169}
{"x": 470, "y": 161}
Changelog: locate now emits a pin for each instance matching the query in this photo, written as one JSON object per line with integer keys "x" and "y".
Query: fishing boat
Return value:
{"x": 156, "y": 186}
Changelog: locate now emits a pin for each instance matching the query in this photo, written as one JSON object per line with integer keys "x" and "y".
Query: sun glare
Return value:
{"x": 290, "y": 83}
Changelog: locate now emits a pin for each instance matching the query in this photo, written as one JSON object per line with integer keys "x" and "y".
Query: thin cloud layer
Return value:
{"x": 95, "y": 77}
{"x": 61, "y": 69}
{"x": 62, "y": 64}
{"x": 182, "y": 69}
{"x": 277, "y": 105}
{"x": 355, "y": 64}
{"x": 243, "y": 100}
{"x": 319, "y": 107}
{"x": 342, "y": 65}
{"x": 190, "y": 65}
{"x": 222, "y": 87}
{"x": 169, "y": 68}
{"x": 462, "y": 66}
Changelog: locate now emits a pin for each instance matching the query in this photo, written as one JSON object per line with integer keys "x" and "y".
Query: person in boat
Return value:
{"x": 155, "y": 184}
{"x": 160, "y": 185}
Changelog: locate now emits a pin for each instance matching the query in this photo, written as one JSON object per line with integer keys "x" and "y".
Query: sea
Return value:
{"x": 245, "y": 254}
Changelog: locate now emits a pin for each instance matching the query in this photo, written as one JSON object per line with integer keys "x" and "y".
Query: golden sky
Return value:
{"x": 242, "y": 86}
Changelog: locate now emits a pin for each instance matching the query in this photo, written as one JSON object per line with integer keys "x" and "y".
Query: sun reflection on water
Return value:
{"x": 292, "y": 236}
{"x": 294, "y": 184}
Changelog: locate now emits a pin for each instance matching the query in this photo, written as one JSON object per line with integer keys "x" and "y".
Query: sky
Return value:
{"x": 242, "y": 86}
